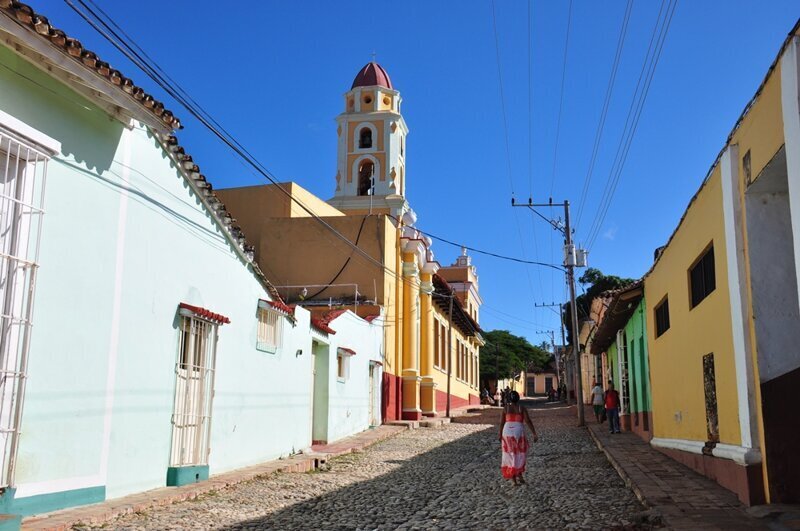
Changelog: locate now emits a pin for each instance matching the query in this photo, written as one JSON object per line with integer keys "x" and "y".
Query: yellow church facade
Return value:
{"x": 390, "y": 270}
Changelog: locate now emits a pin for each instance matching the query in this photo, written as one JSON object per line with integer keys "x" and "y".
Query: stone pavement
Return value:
{"x": 439, "y": 478}
{"x": 683, "y": 498}
{"x": 138, "y": 503}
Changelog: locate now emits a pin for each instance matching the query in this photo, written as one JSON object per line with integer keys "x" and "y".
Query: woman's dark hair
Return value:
{"x": 514, "y": 397}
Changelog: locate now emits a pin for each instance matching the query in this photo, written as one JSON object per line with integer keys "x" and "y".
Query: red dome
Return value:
{"x": 372, "y": 75}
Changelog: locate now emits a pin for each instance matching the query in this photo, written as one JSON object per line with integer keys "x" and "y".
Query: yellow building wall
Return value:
{"x": 461, "y": 388}
{"x": 676, "y": 367}
{"x": 761, "y": 130}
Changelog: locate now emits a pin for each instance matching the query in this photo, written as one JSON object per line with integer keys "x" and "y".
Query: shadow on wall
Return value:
{"x": 86, "y": 132}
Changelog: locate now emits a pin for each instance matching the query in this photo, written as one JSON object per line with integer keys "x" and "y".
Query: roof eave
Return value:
{"x": 41, "y": 53}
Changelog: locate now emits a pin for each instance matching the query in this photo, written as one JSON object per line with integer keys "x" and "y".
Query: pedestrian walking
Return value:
{"x": 612, "y": 408}
{"x": 513, "y": 440}
{"x": 598, "y": 402}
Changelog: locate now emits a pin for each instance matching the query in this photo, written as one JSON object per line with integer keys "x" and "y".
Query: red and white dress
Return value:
{"x": 515, "y": 446}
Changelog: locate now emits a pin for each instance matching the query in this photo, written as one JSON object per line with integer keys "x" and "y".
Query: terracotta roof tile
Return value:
{"x": 321, "y": 325}
{"x": 204, "y": 313}
{"x": 40, "y": 25}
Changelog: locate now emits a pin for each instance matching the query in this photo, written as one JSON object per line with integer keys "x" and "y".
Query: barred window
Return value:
{"x": 23, "y": 169}
{"x": 194, "y": 387}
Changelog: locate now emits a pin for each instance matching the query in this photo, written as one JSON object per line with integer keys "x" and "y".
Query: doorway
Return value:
{"x": 374, "y": 394}
{"x": 319, "y": 400}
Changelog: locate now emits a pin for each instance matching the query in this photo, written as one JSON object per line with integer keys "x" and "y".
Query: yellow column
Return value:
{"x": 428, "y": 387}
{"x": 411, "y": 379}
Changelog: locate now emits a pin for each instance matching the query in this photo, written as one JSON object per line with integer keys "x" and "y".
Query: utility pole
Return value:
{"x": 564, "y": 347}
{"x": 449, "y": 351}
{"x": 571, "y": 260}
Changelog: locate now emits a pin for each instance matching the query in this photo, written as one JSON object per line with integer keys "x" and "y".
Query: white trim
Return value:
{"x": 790, "y": 92}
{"x": 734, "y": 246}
{"x": 26, "y": 490}
{"x": 694, "y": 447}
{"x": 357, "y": 137}
{"x": 49, "y": 146}
{"x": 116, "y": 309}
{"x": 738, "y": 454}
{"x": 742, "y": 456}
{"x": 356, "y": 177}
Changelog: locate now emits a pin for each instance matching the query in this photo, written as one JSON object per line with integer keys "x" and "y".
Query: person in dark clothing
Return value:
{"x": 612, "y": 408}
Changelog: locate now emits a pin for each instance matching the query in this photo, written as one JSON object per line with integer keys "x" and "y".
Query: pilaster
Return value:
{"x": 411, "y": 378}
{"x": 428, "y": 386}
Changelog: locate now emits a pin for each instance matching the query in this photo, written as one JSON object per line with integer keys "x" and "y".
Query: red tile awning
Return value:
{"x": 347, "y": 351}
{"x": 203, "y": 313}
{"x": 322, "y": 326}
{"x": 279, "y": 306}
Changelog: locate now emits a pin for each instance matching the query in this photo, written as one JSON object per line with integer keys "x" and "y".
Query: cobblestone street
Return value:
{"x": 439, "y": 478}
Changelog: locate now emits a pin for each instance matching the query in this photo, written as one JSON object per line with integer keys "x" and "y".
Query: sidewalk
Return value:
{"x": 103, "y": 512}
{"x": 681, "y": 497}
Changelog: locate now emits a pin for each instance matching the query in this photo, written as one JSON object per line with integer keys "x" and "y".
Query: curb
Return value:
{"x": 101, "y": 513}
{"x": 621, "y": 471}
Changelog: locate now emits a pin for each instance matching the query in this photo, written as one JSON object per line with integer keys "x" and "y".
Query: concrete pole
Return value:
{"x": 574, "y": 311}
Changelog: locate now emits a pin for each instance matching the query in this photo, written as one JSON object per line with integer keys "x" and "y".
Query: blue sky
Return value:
{"x": 273, "y": 73}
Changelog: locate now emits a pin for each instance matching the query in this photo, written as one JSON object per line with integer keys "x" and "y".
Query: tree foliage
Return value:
{"x": 509, "y": 354}
{"x": 598, "y": 283}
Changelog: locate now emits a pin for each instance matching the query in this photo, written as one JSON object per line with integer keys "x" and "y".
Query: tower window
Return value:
{"x": 365, "y": 138}
{"x": 365, "y": 172}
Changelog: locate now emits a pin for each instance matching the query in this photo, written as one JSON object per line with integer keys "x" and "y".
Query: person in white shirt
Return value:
{"x": 598, "y": 402}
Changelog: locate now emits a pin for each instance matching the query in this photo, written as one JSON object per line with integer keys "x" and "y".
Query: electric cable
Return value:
{"x": 648, "y": 72}
{"x": 604, "y": 112}
{"x": 561, "y": 98}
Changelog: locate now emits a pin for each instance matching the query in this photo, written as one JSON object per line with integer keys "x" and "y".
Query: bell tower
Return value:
{"x": 370, "y": 173}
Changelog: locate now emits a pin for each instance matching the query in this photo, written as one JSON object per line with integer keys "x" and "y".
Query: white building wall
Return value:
{"x": 349, "y": 407}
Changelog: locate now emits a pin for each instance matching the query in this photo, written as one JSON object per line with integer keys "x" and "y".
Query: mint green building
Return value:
{"x": 620, "y": 341}
{"x": 141, "y": 345}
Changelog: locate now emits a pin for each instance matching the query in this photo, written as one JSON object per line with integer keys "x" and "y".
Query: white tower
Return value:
{"x": 371, "y": 148}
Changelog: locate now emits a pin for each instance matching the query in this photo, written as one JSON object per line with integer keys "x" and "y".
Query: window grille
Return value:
{"x": 194, "y": 391}
{"x": 270, "y": 330}
{"x": 23, "y": 171}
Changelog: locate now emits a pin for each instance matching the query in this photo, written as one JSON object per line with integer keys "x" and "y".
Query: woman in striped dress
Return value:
{"x": 514, "y": 442}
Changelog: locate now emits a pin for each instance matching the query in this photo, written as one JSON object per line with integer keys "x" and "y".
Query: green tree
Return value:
{"x": 598, "y": 283}
{"x": 509, "y": 354}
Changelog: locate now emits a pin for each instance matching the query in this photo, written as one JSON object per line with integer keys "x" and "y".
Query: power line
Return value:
{"x": 143, "y": 62}
{"x": 502, "y": 99}
{"x": 660, "y": 30}
{"x": 505, "y": 134}
{"x": 489, "y": 253}
{"x": 604, "y": 112}
{"x": 530, "y": 111}
{"x": 561, "y": 98}
{"x": 176, "y": 92}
